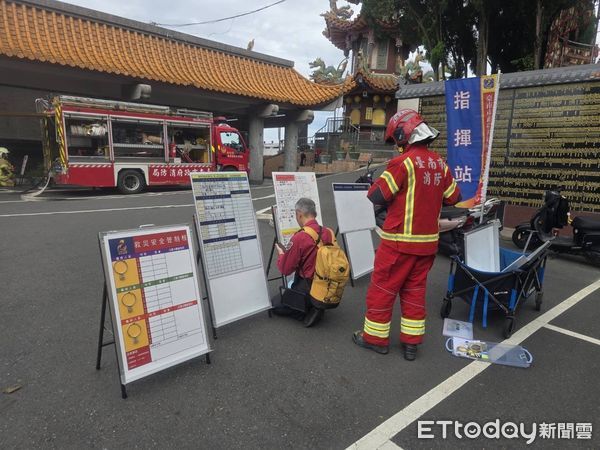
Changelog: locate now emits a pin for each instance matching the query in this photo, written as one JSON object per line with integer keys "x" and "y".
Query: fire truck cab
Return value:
{"x": 103, "y": 143}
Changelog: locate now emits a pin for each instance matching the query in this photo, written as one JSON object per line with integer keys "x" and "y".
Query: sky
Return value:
{"x": 291, "y": 30}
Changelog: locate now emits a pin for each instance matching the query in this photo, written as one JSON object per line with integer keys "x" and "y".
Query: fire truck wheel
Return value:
{"x": 130, "y": 182}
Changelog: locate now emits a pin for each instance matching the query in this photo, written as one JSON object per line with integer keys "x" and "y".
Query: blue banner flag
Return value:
{"x": 470, "y": 110}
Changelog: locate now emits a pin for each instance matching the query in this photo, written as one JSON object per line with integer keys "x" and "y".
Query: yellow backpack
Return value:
{"x": 332, "y": 271}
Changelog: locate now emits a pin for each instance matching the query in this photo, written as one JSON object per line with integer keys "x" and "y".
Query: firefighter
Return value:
{"x": 413, "y": 187}
{"x": 7, "y": 171}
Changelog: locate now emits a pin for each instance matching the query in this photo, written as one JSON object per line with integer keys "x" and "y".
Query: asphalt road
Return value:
{"x": 272, "y": 383}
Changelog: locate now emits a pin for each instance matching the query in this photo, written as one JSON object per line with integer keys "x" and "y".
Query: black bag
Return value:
{"x": 296, "y": 297}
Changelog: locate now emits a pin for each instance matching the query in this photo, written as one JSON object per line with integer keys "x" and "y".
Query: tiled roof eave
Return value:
{"x": 44, "y": 35}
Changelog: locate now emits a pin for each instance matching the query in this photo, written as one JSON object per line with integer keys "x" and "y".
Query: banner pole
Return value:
{"x": 488, "y": 157}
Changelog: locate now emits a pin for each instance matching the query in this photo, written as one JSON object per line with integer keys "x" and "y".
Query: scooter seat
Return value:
{"x": 583, "y": 223}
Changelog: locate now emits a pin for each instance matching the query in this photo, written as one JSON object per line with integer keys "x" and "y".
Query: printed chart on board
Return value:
{"x": 227, "y": 222}
{"x": 230, "y": 245}
{"x": 289, "y": 187}
{"x": 155, "y": 298}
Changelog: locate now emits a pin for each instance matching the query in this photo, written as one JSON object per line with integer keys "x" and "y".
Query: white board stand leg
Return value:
{"x": 206, "y": 297}
{"x": 102, "y": 344}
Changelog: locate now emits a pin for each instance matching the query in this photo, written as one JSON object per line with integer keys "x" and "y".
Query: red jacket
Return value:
{"x": 302, "y": 251}
{"x": 414, "y": 185}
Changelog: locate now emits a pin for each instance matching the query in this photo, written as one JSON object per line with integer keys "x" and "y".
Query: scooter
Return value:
{"x": 552, "y": 216}
{"x": 454, "y": 222}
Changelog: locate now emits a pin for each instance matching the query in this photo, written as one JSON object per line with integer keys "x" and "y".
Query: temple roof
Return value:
{"x": 338, "y": 29}
{"x": 52, "y": 32}
{"x": 377, "y": 82}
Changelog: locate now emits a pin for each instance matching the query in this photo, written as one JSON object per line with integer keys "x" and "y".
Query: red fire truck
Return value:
{"x": 103, "y": 143}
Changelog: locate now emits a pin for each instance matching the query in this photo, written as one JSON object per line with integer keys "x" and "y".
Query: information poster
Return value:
{"x": 289, "y": 188}
{"x": 154, "y": 298}
{"x": 353, "y": 208}
{"x": 230, "y": 245}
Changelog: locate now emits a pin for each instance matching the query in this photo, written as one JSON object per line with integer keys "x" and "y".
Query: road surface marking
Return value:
{"x": 262, "y": 198}
{"x": 399, "y": 421}
{"x": 83, "y": 211}
{"x": 573, "y": 334}
{"x": 389, "y": 445}
{"x": 14, "y": 201}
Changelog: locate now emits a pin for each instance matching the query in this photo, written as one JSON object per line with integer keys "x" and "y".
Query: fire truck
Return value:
{"x": 103, "y": 143}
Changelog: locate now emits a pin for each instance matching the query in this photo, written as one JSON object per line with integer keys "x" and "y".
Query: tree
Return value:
{"x": 459, "y": 37}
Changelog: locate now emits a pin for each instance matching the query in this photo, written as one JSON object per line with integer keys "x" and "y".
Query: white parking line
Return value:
{"x": 399, "y": 421}
{"x": 389, "y": 445}
{"x": 573, "y": 334}
{"x": 83, "y": 211}
{"x": 262, "y": 198}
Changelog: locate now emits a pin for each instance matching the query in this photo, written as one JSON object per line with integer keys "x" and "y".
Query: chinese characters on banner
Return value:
{"x": 470, "y": 110}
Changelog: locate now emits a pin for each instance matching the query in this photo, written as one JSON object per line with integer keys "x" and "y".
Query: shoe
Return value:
{"x": 286, "y": 311}
{"x": 359, "y": 340}
{"x": 410, "y": 351}
{"x": 282, "y": 310}
{"x": 313, "y": 317}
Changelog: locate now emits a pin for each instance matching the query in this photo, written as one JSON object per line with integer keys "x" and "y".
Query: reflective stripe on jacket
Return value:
{"x": 414, "y": 186}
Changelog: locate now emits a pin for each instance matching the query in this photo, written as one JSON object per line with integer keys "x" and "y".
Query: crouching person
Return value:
{"x": 319, "y": 266}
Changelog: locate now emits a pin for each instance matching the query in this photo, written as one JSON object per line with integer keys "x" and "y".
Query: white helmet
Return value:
{"x": 3, "y": 151}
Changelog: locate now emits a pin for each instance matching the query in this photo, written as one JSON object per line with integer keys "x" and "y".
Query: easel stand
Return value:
{"x": 102, "y": 344}
{"x": 345, "y": 251}
{"x": 281, "y": 277}
{"x": 201, "y": 264}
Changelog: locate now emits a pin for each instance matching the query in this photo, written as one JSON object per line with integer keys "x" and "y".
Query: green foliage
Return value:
{"x": 379, "y": 9}
{"x": 524, "y": 63}
{"x": 449, "y": 29}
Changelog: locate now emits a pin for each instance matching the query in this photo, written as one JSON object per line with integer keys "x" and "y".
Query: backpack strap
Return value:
{"x": 317, "y": 237}
{"x": 313, "y": 234}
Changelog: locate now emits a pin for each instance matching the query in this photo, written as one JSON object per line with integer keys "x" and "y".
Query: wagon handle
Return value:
{"x": 451, "y": 347}
{"x": 529, "y": 359}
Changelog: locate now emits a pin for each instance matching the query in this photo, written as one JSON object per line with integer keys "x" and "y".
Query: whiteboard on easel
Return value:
{"x": 230, "y": 245}
{"x": 359, "y": 246}
{"x": 482, "y": 247}
{"x": 289, "y": 188}
{"x": 353, "y": 209}
{"x": 154, "y": 298}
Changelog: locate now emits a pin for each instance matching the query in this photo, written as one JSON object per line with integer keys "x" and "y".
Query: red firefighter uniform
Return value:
{"x": 414, "y": 186}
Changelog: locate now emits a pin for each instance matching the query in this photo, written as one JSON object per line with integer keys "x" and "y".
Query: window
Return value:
{"x": 87, "y": 137}
{"x": 137, "y": 138}
{"x": 190, "y": 142}
{"x": 232, "y": 140}
{"x": 382, "y": 55}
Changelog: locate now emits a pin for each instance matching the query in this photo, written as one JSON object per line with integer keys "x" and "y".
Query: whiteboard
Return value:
{"x": 289, "y": 188}
{"x": 482, "y": 247}
{"x": 154, "y": 298}
{"x": 230, "y": 245}
{"x": 353, "y": 209}
{"x": 359, "y": 246}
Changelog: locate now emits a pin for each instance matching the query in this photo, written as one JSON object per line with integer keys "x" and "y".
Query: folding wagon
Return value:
{"x": 520, "y": 277}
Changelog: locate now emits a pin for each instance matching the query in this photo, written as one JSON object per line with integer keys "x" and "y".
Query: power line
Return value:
{"x": 217, "y": 20}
